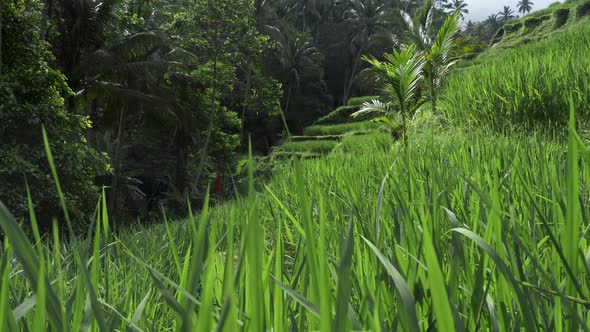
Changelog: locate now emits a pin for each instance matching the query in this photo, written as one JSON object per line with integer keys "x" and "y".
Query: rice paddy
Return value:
{"x": 448, "y": 232}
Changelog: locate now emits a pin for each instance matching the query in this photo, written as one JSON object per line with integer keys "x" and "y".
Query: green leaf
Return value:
{"x": 409, "y": 316}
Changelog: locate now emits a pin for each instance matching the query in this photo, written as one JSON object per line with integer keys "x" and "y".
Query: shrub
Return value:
{"x": 511, "y": 28}
{"x": 498, "y": 36}
{"x": 561, "y": 16}
{"x": 583, "y": 9}
{"x": 30, "y": 97}
{"x": 532, "y": 22}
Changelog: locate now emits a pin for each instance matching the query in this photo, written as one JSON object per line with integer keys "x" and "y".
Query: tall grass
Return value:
{"x": 446, "y": 235}
{"x": 339, "y": 129}
{"x": 524, "y": 87}
{"x": 312, "y": 146}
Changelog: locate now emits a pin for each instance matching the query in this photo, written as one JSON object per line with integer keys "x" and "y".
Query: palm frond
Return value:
{"x": 115, "y": 92}
{"x": 137, "y": 45}
{"x": 141, "y": 68}
{"x": 385, "y": 120}
{"x": 375, "y": 106}
{"x": 443, "y": 48}
{"x": 181, "y": 55}
{"x": 404, "y": 71}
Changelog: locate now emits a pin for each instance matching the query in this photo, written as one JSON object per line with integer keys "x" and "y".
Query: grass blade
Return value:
{"x": 409, "y": 316}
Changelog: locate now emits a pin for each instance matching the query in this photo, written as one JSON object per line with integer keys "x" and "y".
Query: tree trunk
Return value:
{"x": 1, "y": 11}
{"x": 432, "y": 97}
{"x": 181, "y": 170}
{"x": 283, "y": 112}
{"x": 350, "y": 80}
{"x": 304, "y": 20}
{"x": 118, "y": 163}
{"x": 247, "y": 94}
{"x": 431, "y": 88}
{"x": 203, "y": 155}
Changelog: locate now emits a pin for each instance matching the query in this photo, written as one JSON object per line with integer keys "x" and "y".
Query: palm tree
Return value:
{"x": 298, "y": 58}
{"x": 525, "y": 6}
{"x": 506, "y": 14}
{"x": 457, "y": 6}
{"x": 123, "y": 79}
{"x": 82, "y": 26}
{"x": 493, "y": 20}
{"x": 490, "y": 26}
{"x": 438, "y": 51}
{"x": 364, "y": 16}
{"x": 401, "y": 75}
{"x": 440, "y": 58}
{"x": 311, "y": 12}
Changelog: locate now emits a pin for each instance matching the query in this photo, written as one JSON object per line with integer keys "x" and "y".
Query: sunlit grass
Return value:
{"x": 379, "y": 239}
{"x": 526, "y": 87}
{"x": 339, "y": 129}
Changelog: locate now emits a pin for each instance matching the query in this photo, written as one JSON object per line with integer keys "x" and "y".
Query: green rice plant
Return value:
{"x": 377, "y": 140}
{"x": 451, "y": 233}
{"x": 316, "y": 138}
{"x": 312, "y": 146}
{"x": 339, "y": 129}
{"x": 526, "y": 87}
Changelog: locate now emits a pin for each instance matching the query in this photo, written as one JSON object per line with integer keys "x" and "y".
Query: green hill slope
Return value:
{"x": 524, "y": 87}
{"x": 542, "y": 24}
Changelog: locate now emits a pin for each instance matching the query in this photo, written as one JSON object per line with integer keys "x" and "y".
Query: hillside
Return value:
{"x": 479, "y": 222}
{"x": 542, "y": 24}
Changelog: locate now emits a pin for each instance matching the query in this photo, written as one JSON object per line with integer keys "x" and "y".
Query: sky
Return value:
{"x": 479, "y": 10}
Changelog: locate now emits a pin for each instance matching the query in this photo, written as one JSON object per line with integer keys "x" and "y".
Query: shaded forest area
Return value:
{"x": 155, "y": 100}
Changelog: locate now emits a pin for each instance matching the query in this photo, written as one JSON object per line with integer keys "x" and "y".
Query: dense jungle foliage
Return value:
{"x": 154, "y": 100}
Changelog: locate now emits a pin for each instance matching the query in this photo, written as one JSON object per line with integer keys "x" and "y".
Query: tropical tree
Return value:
{"x": 299, "y": 59}
{"x": 401, "y": 75}
{"x": 365, "y": 18}
{"x": 506, "y": 14}
{"x": 485, "y": 30}
{"x": 457, "y": 6}
{"x": 310, "y": 13}
{"x": 525, "y": 6}
{"x": 439, "y": 51}
{"x": 440, "y": 57}
{"x": 31, "y": 99}
{"x": 82, "y": 26}
{"x": 224, "y": 35}
{"x": 119, "y": 84}
{"x": 493, "y": 20}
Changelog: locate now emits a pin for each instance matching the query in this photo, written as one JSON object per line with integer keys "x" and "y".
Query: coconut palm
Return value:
{"x": 83, "y": 27}
{"x": 364, "y": 16}
{"x": 438, "y": 51}
{"x": 525, "y": 6}
{"x": 401, "y": 75}
{"x": 457, "y": 6}
{"x": 506, "y": 14}
{"x": 310, "y": 12}
{"x": 440, "y": 57}
{"x": 298, "y": 58}
{"x": 493, "y": 20}
{"x": 123, "y": 80}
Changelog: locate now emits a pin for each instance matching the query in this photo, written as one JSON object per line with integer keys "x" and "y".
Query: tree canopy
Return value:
{"x": 155, "y": 100}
